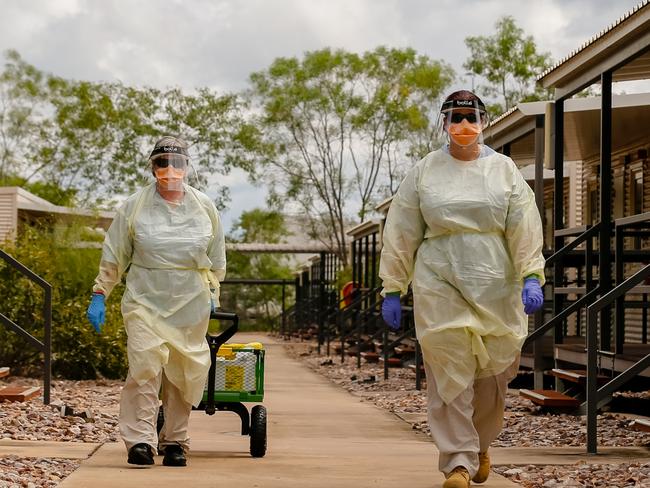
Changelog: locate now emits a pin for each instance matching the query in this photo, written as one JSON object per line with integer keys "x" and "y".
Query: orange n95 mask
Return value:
{"x": 464, "y": 134}
{"x": 170, "y": 178}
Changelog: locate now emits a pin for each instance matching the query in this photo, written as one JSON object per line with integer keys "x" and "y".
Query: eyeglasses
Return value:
{"x": 178, "y": 162}
{"x": 457, "y": 117}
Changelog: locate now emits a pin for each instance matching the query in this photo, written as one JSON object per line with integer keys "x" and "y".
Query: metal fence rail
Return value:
{"x": 46, "y": 346}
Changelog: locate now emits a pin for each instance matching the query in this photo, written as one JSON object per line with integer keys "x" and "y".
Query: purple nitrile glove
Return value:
{"x": 97, "y": 311}
{"x": 532, "y": 296}
{"x": 391, "y": 311}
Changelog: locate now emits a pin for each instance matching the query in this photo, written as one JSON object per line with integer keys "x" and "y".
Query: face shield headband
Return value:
{"x": 169, "y": 150}
{"x": 451, "y": 104}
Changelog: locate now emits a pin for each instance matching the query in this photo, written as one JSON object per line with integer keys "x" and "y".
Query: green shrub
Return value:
{"x": 78, "y": 352}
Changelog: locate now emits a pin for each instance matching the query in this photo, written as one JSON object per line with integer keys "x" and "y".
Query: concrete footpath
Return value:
{"x": 319, "y": 436}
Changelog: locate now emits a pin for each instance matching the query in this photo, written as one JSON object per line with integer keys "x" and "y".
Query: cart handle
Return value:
{"x": 215, "y": 343}
{"x": 227, "y": 334}
{"x": 221, "y": 315}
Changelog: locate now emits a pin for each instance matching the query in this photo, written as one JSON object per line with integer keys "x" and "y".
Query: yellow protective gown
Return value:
{"x": 175, "y": 253}
{"x": 466, "y": 233}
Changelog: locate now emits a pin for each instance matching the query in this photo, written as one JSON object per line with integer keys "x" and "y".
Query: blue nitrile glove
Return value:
{"x": 532, "y": 296}
{"x": 391, "y": 311}
{"x": 212, "y": 307}
{"x": 97, "y": 311}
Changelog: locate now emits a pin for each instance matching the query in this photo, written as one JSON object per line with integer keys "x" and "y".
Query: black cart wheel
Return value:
{"x": 258, "y": 431}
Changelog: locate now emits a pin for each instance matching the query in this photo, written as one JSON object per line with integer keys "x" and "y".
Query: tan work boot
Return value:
{"x": 458, "y": 478}
{"x": 483, "y": 468}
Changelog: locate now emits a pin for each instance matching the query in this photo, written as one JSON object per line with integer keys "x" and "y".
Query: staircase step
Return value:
{"x": 402, "y": 350}
{"x": 412, "y": 367}
{"x": 578, "y": 376}
{"x": 549, "y": 398}
{"x": 371, "y": 357}
{"x": 641, "y": 424}
{"x": 392, "y": 362}
{"x": 4, "y": 372}
{"x": 19, "y": 393}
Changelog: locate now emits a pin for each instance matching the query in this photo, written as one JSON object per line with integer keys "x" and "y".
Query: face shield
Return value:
{"x": 463, "y": 121}
{"x": 170, "y": 166}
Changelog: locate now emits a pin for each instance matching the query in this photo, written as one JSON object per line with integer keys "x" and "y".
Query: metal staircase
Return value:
{"x": 20, "y": 393}
{"x": 585, "y": 391}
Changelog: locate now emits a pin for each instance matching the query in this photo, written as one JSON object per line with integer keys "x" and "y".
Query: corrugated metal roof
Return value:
{"x": 595, "y": 38}
{"x": 503, "y": 115}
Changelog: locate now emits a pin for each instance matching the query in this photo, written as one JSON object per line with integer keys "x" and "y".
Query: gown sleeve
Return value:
{"x": 524, "y": 230}
{"x": 116, "y": 253}
{"x": 403, "y": 234}
{"x": 216, "y": 253}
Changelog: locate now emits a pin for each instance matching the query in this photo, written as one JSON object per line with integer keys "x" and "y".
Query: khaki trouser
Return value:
{"x": 470, "y": 423}
{"x": 139, "y": 413}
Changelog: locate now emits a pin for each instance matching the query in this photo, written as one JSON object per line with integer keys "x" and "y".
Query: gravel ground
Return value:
{"x": 33, "y": 420}
{"x": 16, "y": 472}
{"x": 633, "y": 475}
{"x": 525, "y": 425}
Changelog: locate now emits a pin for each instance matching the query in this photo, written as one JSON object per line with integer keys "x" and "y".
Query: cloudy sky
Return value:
{"x": 218, "y": 43}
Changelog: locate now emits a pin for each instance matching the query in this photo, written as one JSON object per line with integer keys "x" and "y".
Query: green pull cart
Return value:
{"x": 235, "y": 378}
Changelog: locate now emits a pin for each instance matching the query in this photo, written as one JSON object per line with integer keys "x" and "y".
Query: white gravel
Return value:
{"x": 525, "y": 425}
{"x": 32, "y": 420}
{"x": 16, "y": 472}
{"x": 626, "y": 475}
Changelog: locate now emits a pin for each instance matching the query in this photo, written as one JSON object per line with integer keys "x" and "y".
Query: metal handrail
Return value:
{"x": 334, "y": 314}
{"x": 634, "y": 223}
{"x": 46, "y": 346}
{"x": 574, "y": 307}
{"x": 585, "y": 299}
{"x": 593, "y": 393}
{"x": 350, "y": 310}
{"x": 581, "y": 234}
{"x": 588, "y": 234}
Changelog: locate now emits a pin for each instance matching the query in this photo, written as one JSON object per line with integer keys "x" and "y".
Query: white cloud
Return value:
{"x": 219, "y": 43}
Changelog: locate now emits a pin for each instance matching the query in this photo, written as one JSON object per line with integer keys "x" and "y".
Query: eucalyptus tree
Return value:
{"x": 510, "y": 62}
{"x": 336, "y": 130}
{"x": 93, "y": 138}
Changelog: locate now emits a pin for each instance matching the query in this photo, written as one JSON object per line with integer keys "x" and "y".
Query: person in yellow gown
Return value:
{"x": 464, "y": 229}
{"x": 169, "y": 236}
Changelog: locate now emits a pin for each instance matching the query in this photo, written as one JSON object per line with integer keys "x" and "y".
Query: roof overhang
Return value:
{"x": 364, "y": 229}
{"x": 29, "y": 204}
{"x": 384, "y": 205}
{"x": 514, "y": 124}
{"x": 257, "y": 247}
{"x": 630, "y": 123}
{"x": 623, "y": 48}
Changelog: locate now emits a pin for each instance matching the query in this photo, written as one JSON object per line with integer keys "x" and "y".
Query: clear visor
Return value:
{"x": 462, "y": 126}
{"x": 165, "y": 160}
